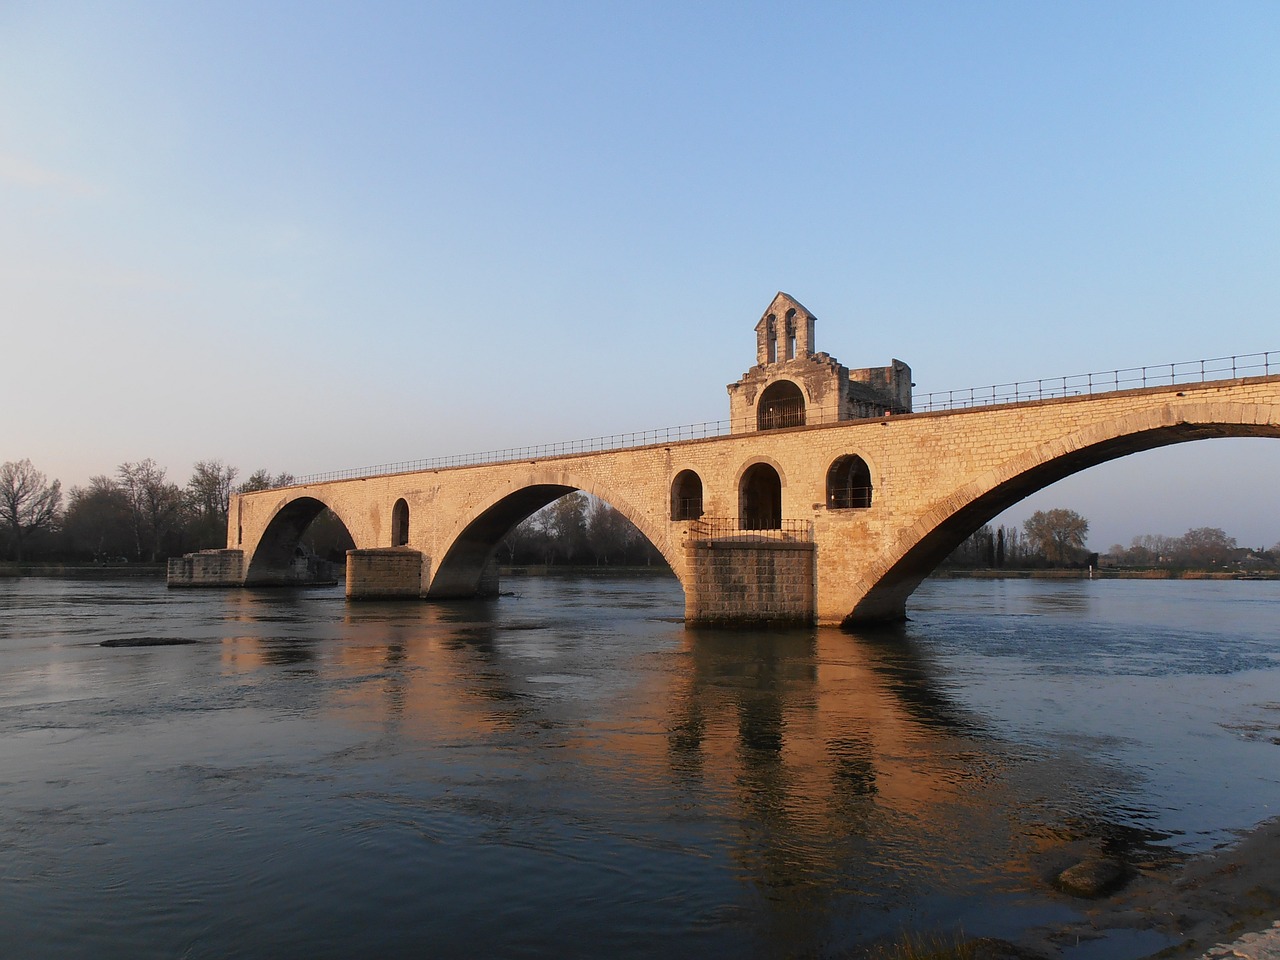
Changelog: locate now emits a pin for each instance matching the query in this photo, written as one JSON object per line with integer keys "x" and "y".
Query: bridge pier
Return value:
{"x": 742, "y": 580}
{"x": 208, "y": 568}
{"x": 385, "y": 573}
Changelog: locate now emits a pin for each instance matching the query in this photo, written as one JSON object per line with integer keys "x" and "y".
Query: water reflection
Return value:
{"x": 573, "y": 773}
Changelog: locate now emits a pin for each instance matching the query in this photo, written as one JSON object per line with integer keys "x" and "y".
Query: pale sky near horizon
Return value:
{"x": 308, "y": 236}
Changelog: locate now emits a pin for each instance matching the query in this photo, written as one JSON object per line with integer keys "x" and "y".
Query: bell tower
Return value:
{"x": 793, "y": 385}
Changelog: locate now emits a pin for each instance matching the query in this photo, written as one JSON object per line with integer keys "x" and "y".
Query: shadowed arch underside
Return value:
{"x": 467, "y": 566}
{"x": 463, "y": 567}
{"x": 882, "y": 595}
{"x": 275, "y": 561}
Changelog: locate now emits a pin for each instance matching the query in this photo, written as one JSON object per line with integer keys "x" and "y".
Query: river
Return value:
{"x": 569, "y": 772}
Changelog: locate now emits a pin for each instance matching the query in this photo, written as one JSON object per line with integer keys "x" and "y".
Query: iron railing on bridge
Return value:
{"x": 1024, "y": 391}
{"x": 751, "y": 530}
{"x": 1086, "y": 384}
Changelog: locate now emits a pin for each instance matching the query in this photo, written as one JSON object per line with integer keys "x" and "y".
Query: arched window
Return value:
{"x": 791, "y": 334}
{"x": 781, "y": 405}
{"x": 760, "y": 498}
{"x": 771, "y": 334}
{"x": 849, "y": 483}
{"x": 400, "y": 523}
{"x": 686, "y": 496}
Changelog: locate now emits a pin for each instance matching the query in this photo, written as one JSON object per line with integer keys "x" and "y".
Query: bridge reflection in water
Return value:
{"x": 830, "y": 770}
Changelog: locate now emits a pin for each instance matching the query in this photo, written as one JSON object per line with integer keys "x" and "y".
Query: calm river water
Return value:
{"x": 569, "y": 772}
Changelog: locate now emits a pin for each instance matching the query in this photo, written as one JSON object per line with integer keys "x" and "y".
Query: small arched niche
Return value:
{"x": 781, "y": 405}
{"x": 849, "y": 484}
{"x": 760, "y": 498}
{"x": 686, "y": 496}
{"x": 400, "y": 523}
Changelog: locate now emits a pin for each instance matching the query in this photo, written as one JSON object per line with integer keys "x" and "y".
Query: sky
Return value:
{"x": 310, "y": 236}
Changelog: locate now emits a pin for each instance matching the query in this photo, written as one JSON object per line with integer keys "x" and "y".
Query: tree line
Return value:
{"x": 137, "y": 515}
{"x": 579, "y": 530}
{"x": 1201, "y": 548}
{"x": 1057, "y": 538}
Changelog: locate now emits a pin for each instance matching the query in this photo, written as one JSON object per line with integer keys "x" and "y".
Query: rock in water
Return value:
{"x": 1092, "y": 878}
{"x": 147, "y": 642}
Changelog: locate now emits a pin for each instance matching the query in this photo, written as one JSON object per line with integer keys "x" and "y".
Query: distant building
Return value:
{"x": 791, "y": 385}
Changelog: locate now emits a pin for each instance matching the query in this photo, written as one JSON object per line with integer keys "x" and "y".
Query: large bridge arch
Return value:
{"x": 888, "y": 580}
{"x": 469, "y": 546}
{"x": 273, "y": 556}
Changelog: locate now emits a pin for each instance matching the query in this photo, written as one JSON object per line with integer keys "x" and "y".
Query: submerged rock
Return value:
{"x": 1093, "y": 877}
{"x": 147, "y": 642}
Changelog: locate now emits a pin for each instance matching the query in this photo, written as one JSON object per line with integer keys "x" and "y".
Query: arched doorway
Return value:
{"x": 849, "y": 483}
{"x": 686, "y": 496}
{"x": 400, "y": 523}
{"x": 760, "y": 498}
{"x": 781, "y": 405}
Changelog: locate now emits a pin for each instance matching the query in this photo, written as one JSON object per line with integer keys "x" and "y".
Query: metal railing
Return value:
{"x": 1026, "y": 391}
{"x": 1087, "y": 384}
{"x": 751, "y": 531}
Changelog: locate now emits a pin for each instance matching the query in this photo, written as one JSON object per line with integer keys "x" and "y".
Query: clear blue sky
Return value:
{"x": 307, "y": 236}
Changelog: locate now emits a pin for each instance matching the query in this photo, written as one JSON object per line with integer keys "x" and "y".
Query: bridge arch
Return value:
{"x": 471, "y": 543}
{"x": 277, "y": 551}
{"x": 882, "y": 592}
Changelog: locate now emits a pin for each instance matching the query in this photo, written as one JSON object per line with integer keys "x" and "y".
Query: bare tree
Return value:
{"x": 156, "y": 505}
{"x": 208, "y": 496}
{"x": 262, "y": 480}
{"x": 28, "y": 502}
{"x": 565, "y": 522}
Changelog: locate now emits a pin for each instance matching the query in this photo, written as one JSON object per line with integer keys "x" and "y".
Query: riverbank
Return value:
{"x": 84, "y": 571}
{"x": 1098, "y": 573}
{"x": 1199, "y": 903}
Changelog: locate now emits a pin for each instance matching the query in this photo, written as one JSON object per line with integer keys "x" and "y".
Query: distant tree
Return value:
{"x": 28, "y": 503}
{"x": 999, "y": 546}
{"x": 565, "y": 523}
{"x": 521, "y": 544}
{"x": 976, "y": 550}
{"x": 327, "y": 537}
{"x": 154, "y": 503}
{"x": 610, "y": 535}
{"x": 1206, "y": 547}
{"x": 99, "y": 521}
{"x": 262, "y": 480}
{"x": 207, "y": 497}
{"x": 1058, "y": 535}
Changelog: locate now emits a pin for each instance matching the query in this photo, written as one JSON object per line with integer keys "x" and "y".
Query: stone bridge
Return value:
{"x": 828, "y": 502}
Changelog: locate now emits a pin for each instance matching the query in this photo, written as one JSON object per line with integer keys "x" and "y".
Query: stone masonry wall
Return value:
{"x": 208, "y": 568}
{"x": 383, "y": 574}
{"x": 735, "y": 582}
{"x": 924, "y": 468}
